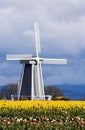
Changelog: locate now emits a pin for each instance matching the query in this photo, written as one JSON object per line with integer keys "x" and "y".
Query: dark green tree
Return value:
{"x": 1, "y": 95}
{"x": 53, "y": 91}
{"x": 10, "y": 89}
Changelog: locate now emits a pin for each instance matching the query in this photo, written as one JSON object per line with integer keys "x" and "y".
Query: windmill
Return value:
{"x": 31, "y": 82}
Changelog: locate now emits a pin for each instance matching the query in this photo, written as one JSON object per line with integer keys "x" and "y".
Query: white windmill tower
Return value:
{"x": 31, "y": 82}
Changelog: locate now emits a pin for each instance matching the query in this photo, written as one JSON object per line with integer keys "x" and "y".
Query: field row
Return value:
{"x": 42, "y": 115}
{"x": 42, "y": 104}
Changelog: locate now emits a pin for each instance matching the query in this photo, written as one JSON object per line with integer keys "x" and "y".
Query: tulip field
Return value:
{"x": 42, "y": 115}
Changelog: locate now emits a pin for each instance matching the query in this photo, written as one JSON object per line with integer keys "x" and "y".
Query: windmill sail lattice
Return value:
{"x": 31, "y": 82}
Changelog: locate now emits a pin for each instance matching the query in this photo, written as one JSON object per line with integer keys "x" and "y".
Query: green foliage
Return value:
{"x": 53, "y": 91}
{"x": 61, "y": 98}
{"x": 23, "y": 98}
{"x": 44, "y": 119}
{"x": 1, "y": 95}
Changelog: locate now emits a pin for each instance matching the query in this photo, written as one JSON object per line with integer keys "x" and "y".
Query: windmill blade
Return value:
{"x": 18, "y": 57}
{"x": 37, "y": 38}
{"x": 54, "y": 61}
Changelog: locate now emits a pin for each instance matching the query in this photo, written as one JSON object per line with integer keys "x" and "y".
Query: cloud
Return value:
{"x": 5, "y": 27}
{"x": 66, "y": 19}
{"x": 62, "y": 29}
{"x": 65, "y": 75}
{"x": 9, "y": 72}
{"x": 6, "y": 80}
{"x": 29, "y": 33}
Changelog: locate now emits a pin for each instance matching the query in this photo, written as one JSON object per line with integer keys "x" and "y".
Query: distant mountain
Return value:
{"x": 73, "y": 91}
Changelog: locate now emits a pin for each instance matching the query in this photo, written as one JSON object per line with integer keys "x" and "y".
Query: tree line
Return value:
{"x": 11, "y": 89}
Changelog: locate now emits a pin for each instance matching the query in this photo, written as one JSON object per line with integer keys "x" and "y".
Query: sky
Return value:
{"x": 62, "y": 35}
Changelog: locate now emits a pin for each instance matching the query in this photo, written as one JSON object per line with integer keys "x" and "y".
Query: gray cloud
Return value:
{"x": 62, "y": 29}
